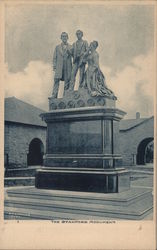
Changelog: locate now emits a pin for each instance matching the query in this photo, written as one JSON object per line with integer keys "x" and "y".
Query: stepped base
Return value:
{"x": 31, "y": 203}
{"x": 104, "y": 181}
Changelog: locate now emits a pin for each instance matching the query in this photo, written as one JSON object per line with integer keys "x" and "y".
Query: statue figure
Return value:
{"x": 62, "y": 64}
{"x": 78, "y": 50}
{"x": 94, "y": 78}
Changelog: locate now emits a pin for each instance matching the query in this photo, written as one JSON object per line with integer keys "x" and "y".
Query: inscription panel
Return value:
{"x": 79, "y": 137}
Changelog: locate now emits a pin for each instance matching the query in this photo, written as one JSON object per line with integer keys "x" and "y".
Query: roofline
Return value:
{"x": 13, "y": 97}
{"x": 26, "y": 124}
{"x": 146, "y": 119}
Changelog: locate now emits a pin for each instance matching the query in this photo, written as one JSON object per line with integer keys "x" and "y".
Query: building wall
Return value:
{"x": 129, "y": 140}
{"x": 17, "y": 140}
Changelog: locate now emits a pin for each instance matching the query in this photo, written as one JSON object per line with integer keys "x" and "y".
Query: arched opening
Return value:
{"x": 36, "y": 152}
{"x": 149, "y": 152}
{"x": 145, "y": 151}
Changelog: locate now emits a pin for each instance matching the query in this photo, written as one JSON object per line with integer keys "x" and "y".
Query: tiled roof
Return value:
{"x": 127, "y": 124}
{"x": 22, "y": 112}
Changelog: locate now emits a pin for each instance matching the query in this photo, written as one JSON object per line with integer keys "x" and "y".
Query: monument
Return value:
{"x": 82, "y": 151}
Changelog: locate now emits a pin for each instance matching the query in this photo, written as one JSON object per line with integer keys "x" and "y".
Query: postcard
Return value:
{"x": 78, "y": 127}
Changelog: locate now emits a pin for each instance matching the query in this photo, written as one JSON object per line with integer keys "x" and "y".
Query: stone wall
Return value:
{"x": 129, "y": 140}
{"x": 17, "y": 139}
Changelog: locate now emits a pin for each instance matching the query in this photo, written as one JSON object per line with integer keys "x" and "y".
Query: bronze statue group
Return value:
{"x": 69, "y": 59}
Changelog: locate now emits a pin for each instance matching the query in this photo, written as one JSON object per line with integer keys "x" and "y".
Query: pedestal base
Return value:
{"x": 109, "y": 181}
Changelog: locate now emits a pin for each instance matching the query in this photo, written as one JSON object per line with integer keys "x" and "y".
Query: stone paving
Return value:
{"x": 142, "y": 181}
{"x": 141, "y": 175}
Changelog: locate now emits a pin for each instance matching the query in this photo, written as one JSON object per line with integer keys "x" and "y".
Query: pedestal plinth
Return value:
{"x": 84, "y": 139}
{"x": 87, "y": 180}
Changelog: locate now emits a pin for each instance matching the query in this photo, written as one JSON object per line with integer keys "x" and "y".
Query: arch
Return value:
{"x": 149, "y": 152}
{"x": 142, "y": 152}
{"x": 36, "y": 152}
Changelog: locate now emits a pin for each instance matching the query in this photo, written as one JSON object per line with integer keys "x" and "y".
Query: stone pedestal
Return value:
{"x": 83, "y": 135}
{"x": 87, "y": 180}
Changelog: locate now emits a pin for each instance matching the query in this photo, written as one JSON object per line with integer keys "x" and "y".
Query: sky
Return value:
{"x": 125, "y": 34}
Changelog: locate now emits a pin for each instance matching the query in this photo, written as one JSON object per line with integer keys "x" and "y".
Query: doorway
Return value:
{"x": 145, "y": 151}
{"x": 36, "y": 152}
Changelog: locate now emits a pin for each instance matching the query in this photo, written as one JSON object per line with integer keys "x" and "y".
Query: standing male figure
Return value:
{"x": 78, "y": 50}
{"x": 62, "y": 64}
